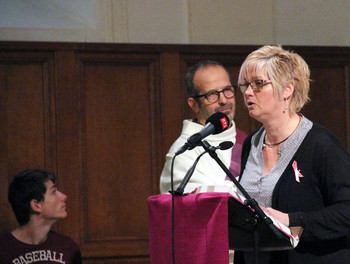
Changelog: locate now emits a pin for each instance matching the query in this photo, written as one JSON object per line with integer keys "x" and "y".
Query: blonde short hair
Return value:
{"x": 282, "y": 67}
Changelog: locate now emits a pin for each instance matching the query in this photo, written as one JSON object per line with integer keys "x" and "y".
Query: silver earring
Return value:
{"x": 285, "y": 108}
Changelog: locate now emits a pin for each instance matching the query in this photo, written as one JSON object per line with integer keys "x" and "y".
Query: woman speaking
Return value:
{"x": 297, "y": 170}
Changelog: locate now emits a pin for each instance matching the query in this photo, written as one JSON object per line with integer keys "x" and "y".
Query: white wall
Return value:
{"x": 289, "y": 22}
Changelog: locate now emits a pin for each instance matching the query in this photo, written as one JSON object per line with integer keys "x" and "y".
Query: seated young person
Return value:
{"x": 37, "y": 205}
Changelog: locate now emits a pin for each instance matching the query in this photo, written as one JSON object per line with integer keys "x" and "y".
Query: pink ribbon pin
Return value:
{"x": 297, "y": 173}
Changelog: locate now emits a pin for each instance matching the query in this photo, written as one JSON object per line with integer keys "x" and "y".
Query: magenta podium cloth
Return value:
{"x": 201, "y": 228}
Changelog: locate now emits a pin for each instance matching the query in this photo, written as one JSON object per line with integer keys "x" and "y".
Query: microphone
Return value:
{"x": 215, "y": 124}
{"x": 223, "y": 146}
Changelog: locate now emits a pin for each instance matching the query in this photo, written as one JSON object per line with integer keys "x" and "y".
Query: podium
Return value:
{"x": 241, "y": 233}
{"x": 206, "y": 226}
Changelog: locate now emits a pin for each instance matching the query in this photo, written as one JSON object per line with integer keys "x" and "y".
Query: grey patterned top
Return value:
{"x": 261, "y": 187}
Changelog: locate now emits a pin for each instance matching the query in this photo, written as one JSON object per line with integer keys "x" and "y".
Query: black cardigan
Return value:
{"x": 320, "y": 203}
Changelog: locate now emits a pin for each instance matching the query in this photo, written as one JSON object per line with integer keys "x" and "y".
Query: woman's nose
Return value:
{"x": 249, "y": 90}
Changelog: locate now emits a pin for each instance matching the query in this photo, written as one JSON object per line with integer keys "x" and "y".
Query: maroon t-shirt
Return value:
{"x": 58, "y": 249}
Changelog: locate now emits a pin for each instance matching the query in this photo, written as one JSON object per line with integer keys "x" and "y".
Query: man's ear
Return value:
{"x": 288, "y": 90}
{"x": 36, "y": 206}
{"x": 193, "y": 105}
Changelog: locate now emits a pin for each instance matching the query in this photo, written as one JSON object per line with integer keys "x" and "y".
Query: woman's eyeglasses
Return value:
{"x": 256, "y": 85}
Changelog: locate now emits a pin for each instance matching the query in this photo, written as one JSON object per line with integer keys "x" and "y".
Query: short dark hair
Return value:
{"x": 191, "y": 89}
{"x": 25, "y": 186}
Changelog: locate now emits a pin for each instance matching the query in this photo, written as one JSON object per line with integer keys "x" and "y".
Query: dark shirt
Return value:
{"x": 58, "y": 249}
{"x": 320, "y": 202}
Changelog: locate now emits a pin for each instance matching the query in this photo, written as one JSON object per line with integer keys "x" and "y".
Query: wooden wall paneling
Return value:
{"x": 331, "y": 111}
{"x": 5, "y": 217}
{"x": 69, "y": 170}
{"x": 120, "y": 143}
{"x": 109, "y": 260}
{"x": 27, "y": 124}
{"x": 347, "y": 99}
{"x": 174, "y": 106}
{"x": 329, "y": 91}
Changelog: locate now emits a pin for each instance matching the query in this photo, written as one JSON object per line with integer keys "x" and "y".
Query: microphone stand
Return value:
{"x": 180, "y": 190}
{"x": 223, "y": 146}
{"x": 259, "y": 217}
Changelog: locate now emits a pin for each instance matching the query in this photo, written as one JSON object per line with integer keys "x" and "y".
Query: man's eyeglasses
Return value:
{"x": 256, "y": 85}
{"x": 213, "y": 96}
